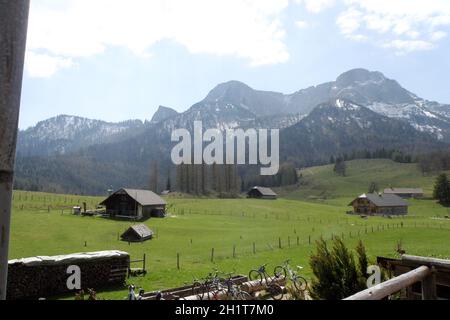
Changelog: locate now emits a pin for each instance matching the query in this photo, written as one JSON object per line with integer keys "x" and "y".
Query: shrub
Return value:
{"x": 336, "y": 274}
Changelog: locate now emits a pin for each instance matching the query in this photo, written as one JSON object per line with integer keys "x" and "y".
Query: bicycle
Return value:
{"x": 210, "y": 287}
{"x": 300, "y": 283}
{"x": 234, "y": 291}
{"x": 274, "y": 289}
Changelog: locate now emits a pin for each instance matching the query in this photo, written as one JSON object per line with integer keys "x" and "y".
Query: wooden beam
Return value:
{"x": 13, "y": 33}
{"x": 425, "y": 261}
{"x": 394, "y": 285}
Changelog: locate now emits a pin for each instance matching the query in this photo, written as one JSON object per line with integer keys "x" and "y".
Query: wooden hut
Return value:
{"x": 137, "y": 233}
{"x": 262, "y": 193}
{"x": 405, "y": 193}
{"x": 135, "y": 204}
{"x": 379, "y": 204}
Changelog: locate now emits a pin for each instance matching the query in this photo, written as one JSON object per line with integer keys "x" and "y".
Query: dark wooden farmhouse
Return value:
{"x": 262, "y": 193}
{"x": 135, "y": 204}
{"x": 405, "y": 193}
{"x": 137, "y": 233}
{"x": 379, "y": 204}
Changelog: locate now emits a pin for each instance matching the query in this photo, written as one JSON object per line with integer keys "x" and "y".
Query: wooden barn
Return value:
{"x": 379, "y": 204}
{"x": 137, "y": 233}
{"x": 405, "y": 193}
{"x": 135, "y": 204}
{"x": 262, "y": 193}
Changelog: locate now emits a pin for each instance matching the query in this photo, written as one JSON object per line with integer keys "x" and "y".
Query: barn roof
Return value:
{"x": 143, "y": 197}
{"x": 265, "y": 191}
{"x": 383, "y": 200}
{"x": 403, "y": 191}
{"x": 141, "y": 230}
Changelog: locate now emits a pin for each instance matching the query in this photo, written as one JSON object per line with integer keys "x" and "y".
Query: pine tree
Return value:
{"x": 169, "y": 182}
{"x": 340, "y": 167}
{"x": 442, "y": 189}
{"x": 154, "y": 177}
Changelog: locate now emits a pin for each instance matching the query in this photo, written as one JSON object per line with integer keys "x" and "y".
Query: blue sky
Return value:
{"x": 116, "y": 60}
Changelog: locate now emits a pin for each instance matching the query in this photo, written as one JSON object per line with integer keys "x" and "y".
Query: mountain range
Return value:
{"x": 361, "y": 110}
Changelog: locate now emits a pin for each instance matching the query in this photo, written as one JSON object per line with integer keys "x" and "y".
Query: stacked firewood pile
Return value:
{"x": 48, "y": 276}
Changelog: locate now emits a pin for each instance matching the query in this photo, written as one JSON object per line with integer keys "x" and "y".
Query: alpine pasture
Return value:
{"x": 237, "y": 235}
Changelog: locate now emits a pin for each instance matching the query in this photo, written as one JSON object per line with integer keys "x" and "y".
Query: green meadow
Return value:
{"x": 257, "y": 231}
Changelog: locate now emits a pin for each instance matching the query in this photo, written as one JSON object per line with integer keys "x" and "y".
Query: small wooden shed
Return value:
{"x": 135, "y": 204}
{"x": 262, "y": 193}
{"x": 137, "y": 233}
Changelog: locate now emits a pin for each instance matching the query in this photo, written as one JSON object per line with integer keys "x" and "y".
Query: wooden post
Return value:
{"x": 144, "y": 262}
{"x": 279, "y": 243}
{"x": 13, "y": 34}
{"x": 429, "y": 286}
{"x": 178, "y": 261}
{"x": 212, "y": 255}
{"x": 309, "y": 239}
{"x": 298, "y": 240}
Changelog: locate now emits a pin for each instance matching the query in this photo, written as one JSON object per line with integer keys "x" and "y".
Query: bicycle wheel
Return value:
{"x": 300, "y": 284}
{"x": 276, "y": 291}
{"x": 255, "y": 275}
{"x": 279, "y": 272}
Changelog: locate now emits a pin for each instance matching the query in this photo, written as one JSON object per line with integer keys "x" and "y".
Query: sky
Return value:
{"x": 116, "y": 60}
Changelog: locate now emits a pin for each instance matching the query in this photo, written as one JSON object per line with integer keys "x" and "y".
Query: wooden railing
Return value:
{"x": 429, "y": 273}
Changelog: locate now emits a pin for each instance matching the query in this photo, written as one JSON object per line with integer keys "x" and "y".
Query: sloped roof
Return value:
{"x": 265, "y": 191}
{"x": 383, "y": 200}
{"x": 141, "y": 230}
{"x": 403, "y": 190}
{"x": 143, "y": 197}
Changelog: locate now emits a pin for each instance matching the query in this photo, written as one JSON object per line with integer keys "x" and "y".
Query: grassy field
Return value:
{"x": 322, "y": 184}
{"x": 195, "y": 226}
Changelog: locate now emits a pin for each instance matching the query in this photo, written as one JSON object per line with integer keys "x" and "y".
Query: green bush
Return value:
{"x": 336, "y": 274}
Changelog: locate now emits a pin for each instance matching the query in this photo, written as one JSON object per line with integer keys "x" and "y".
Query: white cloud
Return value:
{"x": 405, "y": 46}
{"x": 317, "y": 6}
{"x": 438, "y": 35}
{"x": 45, "y": 66}
{"x": 69, "y": 29}
{"x": 301, "y": 24}
{"x": 402, "y": 25}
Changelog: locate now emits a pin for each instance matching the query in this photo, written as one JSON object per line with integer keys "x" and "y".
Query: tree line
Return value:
{"x": 434, "y": 162}
{"x": 203, "y": 179}
{"x": 392, "y": 154}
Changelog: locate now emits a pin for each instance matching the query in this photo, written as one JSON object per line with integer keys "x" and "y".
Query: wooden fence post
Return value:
{"x": 212, "y": 255}
{"x": 279, "y": 243}
{"x": 429, "y": 286}
{"x": 178, "y": 261}
{"x": 144, "y": 262}
{"x": 13, "y": 31}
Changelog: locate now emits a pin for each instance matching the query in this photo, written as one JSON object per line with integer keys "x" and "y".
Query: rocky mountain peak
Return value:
{"x": 359, "y": 76}
{"x": 163, "y": 113}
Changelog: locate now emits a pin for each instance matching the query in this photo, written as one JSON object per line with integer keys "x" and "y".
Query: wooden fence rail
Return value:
{"x": 430, "y": 273}
{"x": 392, "y": 286}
